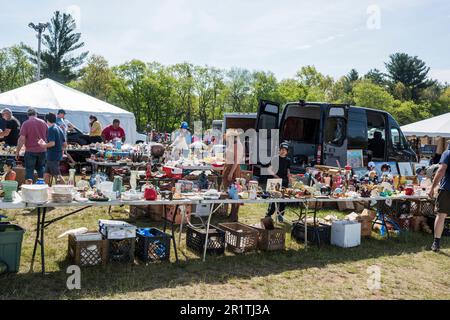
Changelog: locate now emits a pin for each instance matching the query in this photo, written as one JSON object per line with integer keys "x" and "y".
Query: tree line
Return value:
{"x": 162, "y": 96}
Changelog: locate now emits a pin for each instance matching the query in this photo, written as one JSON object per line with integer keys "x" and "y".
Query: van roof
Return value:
{"x": 305, "y": 103}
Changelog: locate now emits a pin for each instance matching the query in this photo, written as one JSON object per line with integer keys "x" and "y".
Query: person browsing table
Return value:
{"x": 95, "y": 132}
{"x": 12, "y": 127}
{"x": 441, "y": 179}
{"x": 33, "y": 130}
{"x": 113, "y": 132}
{"x": 55, "y": 145}
{"x": 283, "y": 172}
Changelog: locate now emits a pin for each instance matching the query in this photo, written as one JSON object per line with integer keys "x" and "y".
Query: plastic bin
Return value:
{"x": 121, "y": 250}
{"x": 239, "y": 237}
{"x": 88, "y": 253}
{"x": 195, "y": 240}
{"x": 11, "y": 237}
{"x": 322, "y": 236}
{"x": 152, "y": 245}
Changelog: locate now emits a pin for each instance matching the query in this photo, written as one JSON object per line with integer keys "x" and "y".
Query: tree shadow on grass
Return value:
{"x": 113, "y": 279}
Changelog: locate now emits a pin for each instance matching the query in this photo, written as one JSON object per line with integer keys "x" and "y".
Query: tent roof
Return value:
{"x": 434, "y": 127}
{"x": 49, "y": 94}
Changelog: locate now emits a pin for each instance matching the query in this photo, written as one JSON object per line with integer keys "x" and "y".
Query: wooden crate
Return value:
{"x": 88, "y": 253}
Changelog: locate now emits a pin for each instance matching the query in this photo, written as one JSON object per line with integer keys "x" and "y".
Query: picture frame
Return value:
{"x": 355, "y": 158}
{"x": 274, "y": 185}
{"x": 406, "y": 169}
{"x": 393, "y": 165}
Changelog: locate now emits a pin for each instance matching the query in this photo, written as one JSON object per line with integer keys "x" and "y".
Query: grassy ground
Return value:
{"x": 408, "y": 269}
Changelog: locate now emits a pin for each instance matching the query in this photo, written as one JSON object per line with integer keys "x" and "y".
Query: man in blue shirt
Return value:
{"x": 56, "y": 143}
{"x": 442, "y": 178}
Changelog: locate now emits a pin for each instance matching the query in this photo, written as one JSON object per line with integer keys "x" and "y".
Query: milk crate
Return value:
{"x": 152, "y": 245}
{"x": 195, "y": 240}
{"x": 270, "y": 240}
{"x": 88, "y": 253}
{"x": 239, "y": 237}
{"x": 122, "y": 250}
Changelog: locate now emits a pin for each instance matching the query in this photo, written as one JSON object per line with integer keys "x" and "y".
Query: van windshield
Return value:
{"x": 301, "y": 130}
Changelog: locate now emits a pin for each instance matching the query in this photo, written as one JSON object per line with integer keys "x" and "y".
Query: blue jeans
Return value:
{"x": 34, "y": 161}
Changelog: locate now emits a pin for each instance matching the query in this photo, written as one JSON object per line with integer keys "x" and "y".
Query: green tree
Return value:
{"x": 238, "y": 90}
{"x": 184, "y": 74}
{"x": 352, "y": 76}
{"x": 369, "y": 95}
{"x": 411, "y": 71}
{"x": 291, "y": 90}
{"x": 376, "y": 76}
{"x": 264, "y": 87}
{"x": 61, "y": 41}
{"x": 95, "y": 78}
{"x": 15, "y": 70}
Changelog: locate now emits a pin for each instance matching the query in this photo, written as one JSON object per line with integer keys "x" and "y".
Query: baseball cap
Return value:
{"x": 61, "y": 111}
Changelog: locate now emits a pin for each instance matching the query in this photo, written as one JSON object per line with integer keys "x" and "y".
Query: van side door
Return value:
{"x": 335, "y": 139}
{"x": 398, "y": 147}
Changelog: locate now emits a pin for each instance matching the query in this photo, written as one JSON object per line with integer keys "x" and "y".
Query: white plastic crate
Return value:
{"x": 116, "y": 230}
{"x": 346, "y": 234}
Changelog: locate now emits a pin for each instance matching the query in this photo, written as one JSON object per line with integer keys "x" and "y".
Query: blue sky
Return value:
{"x": 280, "y": 36}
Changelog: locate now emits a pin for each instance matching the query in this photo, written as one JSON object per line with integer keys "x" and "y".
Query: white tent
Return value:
{"x": 50, "y": 96}
{"x": 434, "y": 127}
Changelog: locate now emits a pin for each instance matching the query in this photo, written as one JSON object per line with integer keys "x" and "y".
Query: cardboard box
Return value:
{"x": 347, "y": 205}
{"x": 346, "y": 234}
{"x": 370, "y": 214}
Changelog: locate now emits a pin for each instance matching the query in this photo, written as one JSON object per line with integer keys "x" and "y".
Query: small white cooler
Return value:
{"x": 346, "y": 234}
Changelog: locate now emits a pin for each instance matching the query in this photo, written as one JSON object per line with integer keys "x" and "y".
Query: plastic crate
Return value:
{"x": 11, "y": 237}
{"x": 271, "y": 240}
{"x": 239, "y": 237}
{"x": 88, "y": 253}
{"x": 121, "y": 250}
{"x": 322, "y": 236}
{"x": 152, "y": 245}
{"x": 195, "y": 240}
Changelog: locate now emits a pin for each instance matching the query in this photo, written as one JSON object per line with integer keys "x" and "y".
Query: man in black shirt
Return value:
{"x": 284, "y": 165}
{"x": 12, "y": 128}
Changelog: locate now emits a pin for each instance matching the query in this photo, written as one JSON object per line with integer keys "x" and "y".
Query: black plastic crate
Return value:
{"x": 121, "y": 250}
{"x": 195, "y": 240}
{"x": 152, "y": 245}
{"x": 322, "y": 234}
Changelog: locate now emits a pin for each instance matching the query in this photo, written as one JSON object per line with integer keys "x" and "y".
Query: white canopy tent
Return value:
{"x": 434, "y": 127}
{"x": 50, "y": 96}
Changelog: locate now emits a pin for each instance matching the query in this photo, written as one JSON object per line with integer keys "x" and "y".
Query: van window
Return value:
{"x": 267, "y": 121}
{"x": 301, "y": 130}
{"x": 335, "y": 131}
{"x": 398, "y": 141}
{"x": 376, "y": 133}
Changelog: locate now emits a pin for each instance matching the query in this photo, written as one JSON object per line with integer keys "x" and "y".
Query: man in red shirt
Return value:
{"x": 113, "y": 132}
{"x": 33, "y": 130}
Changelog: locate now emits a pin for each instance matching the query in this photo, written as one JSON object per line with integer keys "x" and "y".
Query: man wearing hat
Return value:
{"x": 283, "y": 172}
{"x": 64, "y": 124}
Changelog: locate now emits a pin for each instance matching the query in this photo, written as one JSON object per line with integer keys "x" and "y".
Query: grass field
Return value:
{"x": 408, "y": 269}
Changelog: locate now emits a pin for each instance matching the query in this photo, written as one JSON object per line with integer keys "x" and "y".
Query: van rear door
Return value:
{"x": 268, "y": 118}
{"x": 335, "y": 141}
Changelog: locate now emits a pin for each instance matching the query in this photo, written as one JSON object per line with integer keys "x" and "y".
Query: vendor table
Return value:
{"x": 42, "y": 223}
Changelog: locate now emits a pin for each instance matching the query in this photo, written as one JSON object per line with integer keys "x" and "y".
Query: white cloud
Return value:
{"x": 442, "y": 75}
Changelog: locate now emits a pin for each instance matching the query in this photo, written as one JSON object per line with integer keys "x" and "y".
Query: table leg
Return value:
{"x": 173, "y": 233}
{"x": 36, "y": 241}
{"x": 211, "y": 212}
{"x": 44, "y": 211}
{"x": 183, "y": 217}
{"x": 306, "y": 224}
{"x": 316, "y": 232}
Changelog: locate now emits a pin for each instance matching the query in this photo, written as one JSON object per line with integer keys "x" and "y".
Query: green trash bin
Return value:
{"x": 11, "y": 237}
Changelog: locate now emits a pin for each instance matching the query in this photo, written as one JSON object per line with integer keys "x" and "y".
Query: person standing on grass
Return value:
{"x": 284, "y": 165}
{"x": 12, "y": 127}
{"x": 442, "y": 178}
{"x": 33, "y": 130}
{"x": 55, "y": 145}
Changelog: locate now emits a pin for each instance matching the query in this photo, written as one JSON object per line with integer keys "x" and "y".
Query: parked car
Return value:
{"x": 321, "y": 133}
